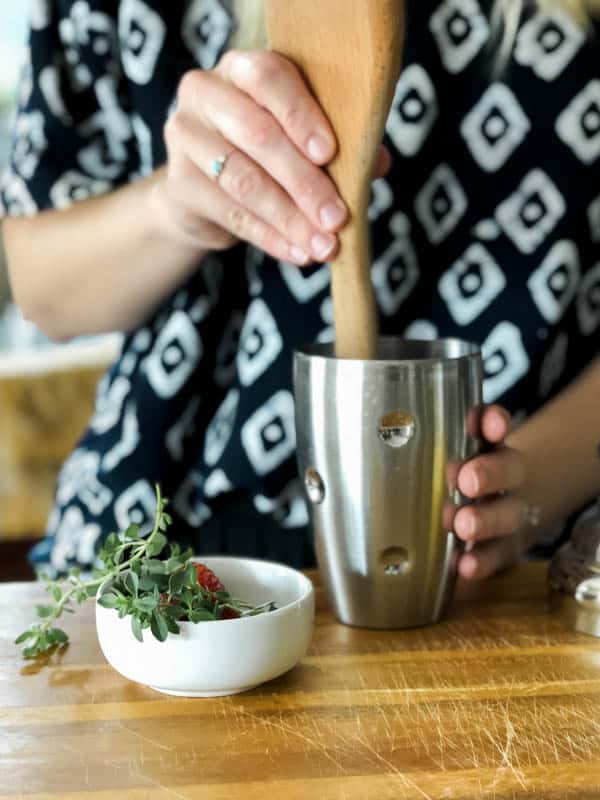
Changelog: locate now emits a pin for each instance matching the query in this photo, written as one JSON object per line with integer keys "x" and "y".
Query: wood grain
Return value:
{"x": 499, "y": 701}
{"x": 350, "y": 51}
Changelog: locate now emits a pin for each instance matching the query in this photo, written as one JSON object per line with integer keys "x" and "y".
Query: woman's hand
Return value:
{"x": 500, "y": 525}
{"x": 255, "y": 110}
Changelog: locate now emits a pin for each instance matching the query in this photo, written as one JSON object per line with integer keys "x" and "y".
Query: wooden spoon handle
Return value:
{"x": 350, "y": 51}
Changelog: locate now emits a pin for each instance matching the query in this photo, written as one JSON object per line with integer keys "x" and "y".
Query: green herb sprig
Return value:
{"x": 156, "y": 593}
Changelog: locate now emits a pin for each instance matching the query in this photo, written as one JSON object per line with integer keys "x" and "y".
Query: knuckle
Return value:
{"x": 261, "y": 129}
{"x": 287, "y": 221}
{"x": 187, "y": 220}
{"x": 307, "y": 186}
{"x": 190, "y": 87}
{"x": 270, "y": 242}
{"x": 262, "y": 69}
{"x": 243, "y": 183}
{"x": 172, "y": 129}
{"x": 220, "y": 239}
{"x": 295, "y": 116}
{"x": 237, "y": 221}
{"x": 226, "y": 60}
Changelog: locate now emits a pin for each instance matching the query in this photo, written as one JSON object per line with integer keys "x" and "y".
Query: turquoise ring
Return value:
{"x": 217, "y": 166}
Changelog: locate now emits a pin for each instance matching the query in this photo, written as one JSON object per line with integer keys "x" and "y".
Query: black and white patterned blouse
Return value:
{"x": 487, "y": 228}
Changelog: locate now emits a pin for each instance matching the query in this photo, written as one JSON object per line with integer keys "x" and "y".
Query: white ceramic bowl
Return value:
{"x": 209, "y": 659}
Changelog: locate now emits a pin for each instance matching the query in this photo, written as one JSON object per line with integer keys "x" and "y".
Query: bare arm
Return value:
{"x": 105, "y": 263}
{"x": 99, "y": 266}
{"x": 560, "y": 444}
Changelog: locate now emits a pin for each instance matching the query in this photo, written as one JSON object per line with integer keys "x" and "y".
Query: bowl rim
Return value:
{"x": 308, "y": 590}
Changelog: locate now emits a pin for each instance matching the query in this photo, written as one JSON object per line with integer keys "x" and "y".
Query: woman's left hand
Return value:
{"x": 495, "y": 526}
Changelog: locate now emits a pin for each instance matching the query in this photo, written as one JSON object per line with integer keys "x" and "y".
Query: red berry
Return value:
{"x": 207, "y": 579}
{"x": 230, "y": 613}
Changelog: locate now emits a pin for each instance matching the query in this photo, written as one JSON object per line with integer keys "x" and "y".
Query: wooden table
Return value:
{"x": 501, "y": 701}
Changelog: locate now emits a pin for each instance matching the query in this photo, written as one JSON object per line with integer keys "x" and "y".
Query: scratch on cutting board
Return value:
{"x": 505, "y": 748}
{"x": 388, "y": 764}
{"x": 146, "y": 739}
{"x": 286, "y": 729}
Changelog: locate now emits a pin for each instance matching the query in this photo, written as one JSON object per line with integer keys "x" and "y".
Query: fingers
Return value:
{"x": 248, "y": 185}
{"x": 257, "y": 111}
{"x": 211, "y": 206}
{"x": 495, "y": 424}
{"x": 276, "y": 85}
{"x": 489, "y": 519}
{"x": 383, "y": 164}
{"x": 256, "y": 132}
{"x": 489, "y": 557}
{"x": 499, "y": 471}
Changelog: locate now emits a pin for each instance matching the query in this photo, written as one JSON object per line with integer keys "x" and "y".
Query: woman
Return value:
{"x": 486, "y": 227}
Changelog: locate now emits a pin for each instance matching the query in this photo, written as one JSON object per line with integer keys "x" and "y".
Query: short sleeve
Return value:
{"x": 74, "y": 133}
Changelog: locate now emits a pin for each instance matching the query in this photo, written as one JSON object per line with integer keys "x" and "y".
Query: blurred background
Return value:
{"x": 12, "y": 38}
{"x": 46, "y": 390}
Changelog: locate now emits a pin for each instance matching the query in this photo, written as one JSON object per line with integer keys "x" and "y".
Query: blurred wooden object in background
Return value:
{"x": 46, "y": 400}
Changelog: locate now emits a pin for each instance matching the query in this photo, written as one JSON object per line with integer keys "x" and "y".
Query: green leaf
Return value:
{"x": 108, "y": 600}
{"x": 136, "y": 628}
{"x": 147, "y": 584}
{"x": 56, "y": 592}
{"x": 177, "y": 582}
{"x": 201, "y": 615}
{"x": 33, "y": 650}
{"x": 159, "y": 626}
{"x": 58, "y": 636}
{"x": 157, "y": 545}
{"x": 174, "y": 564}
{"x": 173, "y": 611}
{"x": 155, "y": 567}
{"x": 146, "y": 604}
{"x": 132, "y": 583}
{"x": 92, "y": 588}
{"x": 191, "y": 576}
{"x": 172, "y": 625}
{"x": 26, "y": 635}
{"x": 111, "y": 543}
{"x": 132, "y": 532}
{"x": 45, "y": 611}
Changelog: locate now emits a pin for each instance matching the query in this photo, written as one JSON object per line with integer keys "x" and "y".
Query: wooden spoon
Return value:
{"x": 350, "y": 51}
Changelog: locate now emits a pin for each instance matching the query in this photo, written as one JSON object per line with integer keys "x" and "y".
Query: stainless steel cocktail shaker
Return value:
{"x": 380, "y": 443}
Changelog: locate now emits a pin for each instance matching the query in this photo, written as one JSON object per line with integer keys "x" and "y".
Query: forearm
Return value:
{"x": 102, "y": 265}
{"x": 560, "y": 444}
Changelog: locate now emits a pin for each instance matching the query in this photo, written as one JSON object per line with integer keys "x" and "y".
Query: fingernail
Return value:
{"x": 323, "y": 246}
{"x": 333, "y": 215}
{"x": 470, "y": 526}
{"x": 477, "y": 481}
{"x": 319, "y": 148}
{"x": 299, "y": 255}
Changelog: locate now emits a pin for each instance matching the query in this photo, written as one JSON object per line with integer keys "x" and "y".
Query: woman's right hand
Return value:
{"x": 255, "y": 109}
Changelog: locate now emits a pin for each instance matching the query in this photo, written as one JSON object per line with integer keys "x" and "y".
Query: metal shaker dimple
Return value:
{"x": 380, "y": 444}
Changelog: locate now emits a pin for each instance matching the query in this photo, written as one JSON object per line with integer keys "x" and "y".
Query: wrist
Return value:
{"x": 163, "y": 227}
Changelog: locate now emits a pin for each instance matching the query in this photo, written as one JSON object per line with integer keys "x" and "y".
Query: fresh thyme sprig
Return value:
{"x": 155, "y": 593}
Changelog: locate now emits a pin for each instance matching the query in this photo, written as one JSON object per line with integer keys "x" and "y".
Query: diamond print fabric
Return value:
{"x": 487, "y": 228}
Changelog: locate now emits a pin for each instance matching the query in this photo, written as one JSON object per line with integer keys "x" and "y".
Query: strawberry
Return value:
{"x": 207, "y": 579}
